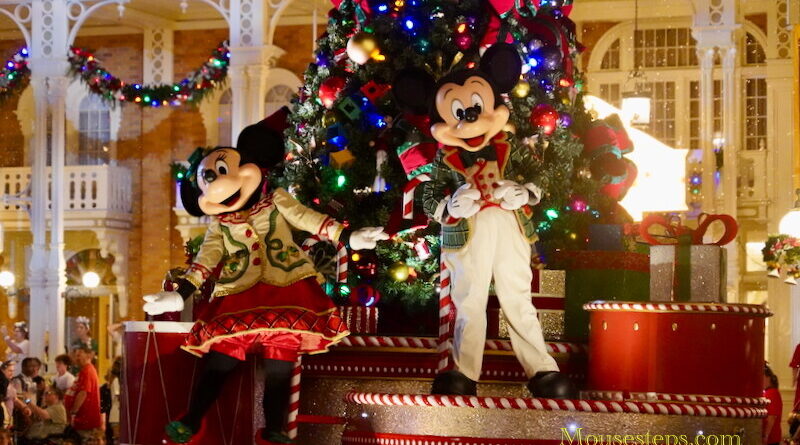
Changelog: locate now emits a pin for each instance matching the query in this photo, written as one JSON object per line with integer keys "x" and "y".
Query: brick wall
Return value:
{"x": 297, "y": 41}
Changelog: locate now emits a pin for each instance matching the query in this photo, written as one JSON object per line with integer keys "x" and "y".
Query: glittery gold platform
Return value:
{"x": 385, "y": 375}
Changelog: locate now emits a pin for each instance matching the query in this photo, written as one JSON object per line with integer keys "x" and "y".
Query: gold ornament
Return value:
{"x": 522, "y": 89}
{"x": 329, "y": 118}
{"x": 361, "y": 47}
{"x": 399, "y": 271}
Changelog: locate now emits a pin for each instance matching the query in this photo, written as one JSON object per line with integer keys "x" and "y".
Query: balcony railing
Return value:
{"x": 87, "y": 189}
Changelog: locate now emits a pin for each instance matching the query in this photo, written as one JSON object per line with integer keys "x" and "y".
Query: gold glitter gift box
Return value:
{"x": 547, "y": 292}
{"x": 685, "y": 272}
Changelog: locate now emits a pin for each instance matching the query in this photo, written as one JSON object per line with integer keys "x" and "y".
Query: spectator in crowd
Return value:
{"x": 50, "y": 420}
{"x": 5, "y": 415}
{"x": 109, "y": 397}
{"x": 23, "y": 383}
{"x": 18, "y": 346}
{"x": 771, "y": 431}
{"x": 83, "y": 398}
{"x": 12, "y": 403}
{"x": 41, "y": 387}
{"x": 83, "y": 335}
{"x": 64, "y": 379}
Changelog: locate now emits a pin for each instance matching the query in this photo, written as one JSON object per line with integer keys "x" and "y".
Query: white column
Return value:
{"x": 730, "y": 170}
{"x": 705, "y": 55}
{"x": 56, "y": 265}
{"x": 780, "y": 155}
{"x": 37, "y": 267}
{"x": 158, "y": 55}
{"x": 48, "y": 64}
{"x": 237, "y": 75}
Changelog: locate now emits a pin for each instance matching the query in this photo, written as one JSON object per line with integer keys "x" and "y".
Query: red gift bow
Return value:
{"x": 675, "y": 229}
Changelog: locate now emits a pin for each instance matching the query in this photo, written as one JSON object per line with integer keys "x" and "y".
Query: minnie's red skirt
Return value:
{"x": 269, "y": 321}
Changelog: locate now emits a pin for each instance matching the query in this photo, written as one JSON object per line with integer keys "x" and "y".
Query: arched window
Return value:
{"x": 611, "y": 57}
{"x": 276, "y": 97}
{"x": 224, "y": 118}
{"x": 94, "y": 127}
{"x": 753, "y": 52}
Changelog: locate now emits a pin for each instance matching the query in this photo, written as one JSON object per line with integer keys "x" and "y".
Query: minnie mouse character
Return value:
{"x": 267, "y": 300}
{"x": 487, "y": 221}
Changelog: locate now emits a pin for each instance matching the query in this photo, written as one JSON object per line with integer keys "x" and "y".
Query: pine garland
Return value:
{"x": 14, "y": 74}
{"x": 84, "y": 65}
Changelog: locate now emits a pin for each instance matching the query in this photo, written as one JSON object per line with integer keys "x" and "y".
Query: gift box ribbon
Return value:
{"x": 676, "y": 233}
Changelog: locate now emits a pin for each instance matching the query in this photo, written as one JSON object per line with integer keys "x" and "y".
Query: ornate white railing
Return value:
{"x": 104, "y": 188}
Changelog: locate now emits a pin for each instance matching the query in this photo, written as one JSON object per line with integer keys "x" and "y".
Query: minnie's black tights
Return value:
{"x": 216, "y": 369}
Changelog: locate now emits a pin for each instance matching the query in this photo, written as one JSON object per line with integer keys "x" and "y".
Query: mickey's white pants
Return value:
{"x": 496, "y": 248}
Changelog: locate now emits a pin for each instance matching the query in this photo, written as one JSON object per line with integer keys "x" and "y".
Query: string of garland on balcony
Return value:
{"x": 85, "y": 66}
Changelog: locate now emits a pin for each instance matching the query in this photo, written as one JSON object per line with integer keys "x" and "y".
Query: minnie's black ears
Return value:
{"x": 189, "y": 196}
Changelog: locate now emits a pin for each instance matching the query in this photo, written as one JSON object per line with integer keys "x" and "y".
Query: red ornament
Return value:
{"x": 330, "y": 89}
{"x": 464, "y": 41}
{"x": 545, "y": 117}
{"x": 364, "y": 295}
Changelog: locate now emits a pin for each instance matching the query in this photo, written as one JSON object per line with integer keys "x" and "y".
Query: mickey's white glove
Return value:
{"x": 367, "y": 237}
{"x": 535, "y": 193}
{"x": 156, "y": 304}
{"x": 511, "y": 195}
{"x": 464, "y": 202}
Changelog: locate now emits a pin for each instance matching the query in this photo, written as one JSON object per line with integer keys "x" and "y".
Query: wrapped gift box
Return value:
{"x": 547, "y": 295}
{"x": 360, "y": 319}
{"x": 685, "y": 272}
{"x": 552, "y": 322}
{"x": 599, "y": 275}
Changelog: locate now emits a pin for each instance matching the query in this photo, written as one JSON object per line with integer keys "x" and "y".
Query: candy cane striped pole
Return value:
{"x": 341, "y": 255}
{"x": 408, "y": 194}
{"x": 294, "y": 400}
{"x": 446, "y": 315}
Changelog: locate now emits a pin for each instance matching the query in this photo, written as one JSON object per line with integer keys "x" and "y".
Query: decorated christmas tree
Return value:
{"x": 353, "y": 150}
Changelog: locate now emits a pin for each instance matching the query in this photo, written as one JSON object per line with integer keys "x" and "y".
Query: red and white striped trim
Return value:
{"x": 408, "y": 194}
{"x": 447, "y": 315}
{"x": 366, "y": 341}
{"x": 663, "y": 397}
{"x": 341, "y": 255}
{"x": 587, "y": 406}
{"x": 294, "y": 400}
{"x": 748, "y": 309}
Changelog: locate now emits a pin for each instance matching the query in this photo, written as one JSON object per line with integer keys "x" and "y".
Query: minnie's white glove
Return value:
{"x": 464, "y": 202}
{"x": 511, "y": 195}
{"x": 535, "y": 193}
{"x": 156, "y": 304}
{"x": 367, "y": 237}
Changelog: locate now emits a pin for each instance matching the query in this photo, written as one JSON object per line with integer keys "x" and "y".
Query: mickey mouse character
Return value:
{"x": 487, "y": 222}
{"x": 267, "y": 300}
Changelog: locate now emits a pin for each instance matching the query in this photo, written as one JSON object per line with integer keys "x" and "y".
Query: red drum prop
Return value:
{"x": 157, "y": 380}
{"x": 715, "y": 349}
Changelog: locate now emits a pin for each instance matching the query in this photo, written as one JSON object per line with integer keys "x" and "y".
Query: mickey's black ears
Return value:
{"x": 501, "y": 62}
{"x": 189, "y": 196}
{"x": 413, "y": 90}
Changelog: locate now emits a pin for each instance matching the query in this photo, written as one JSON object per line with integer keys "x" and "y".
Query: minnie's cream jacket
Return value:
{"x": 256, "y": 245}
